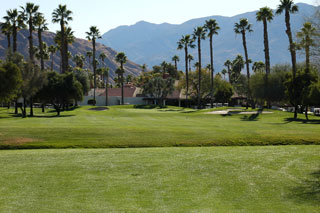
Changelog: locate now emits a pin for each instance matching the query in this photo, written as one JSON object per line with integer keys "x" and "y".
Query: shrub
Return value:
{"x": 92, "y": 102}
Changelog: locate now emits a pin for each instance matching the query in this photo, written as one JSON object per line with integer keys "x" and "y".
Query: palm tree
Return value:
{"x": 6, "y": 30}
{"x": 287, "y": 6}
{"x": 62, "y": 15}
{"x": 69, "y": 39}
{"x": 79, "y": 60}
{"x": 164, "y": 65}
{"x": 89, "y": 55}
{"x": 106, "y": 76}
{"x": 306, "y": 40}
{"x": 258, "y": 67}
{"x": 122, "y": 59}
{"x": 265, "y": 15}
{"x": 102, "y": 57}
{"x": 212, "y": 27}
{"x": 237, "y": 65}
{"x": 228, "y": 64}
{"x": 16, "y": 21}
{"x": 224, "y": 72}
{"x": 199, "y": 33}
{"x": 185, "y": 42}
{"x": 52, "y": 50}
{"x": 241, "y": 28}
{"x": 175, "y": 59}
{"x": 92, "y": 35}
{"x": 143, "y": 67}
{"x": 28, "y": 13}
{"x": 190, "y": 58}
{"x": 41, "y": 25}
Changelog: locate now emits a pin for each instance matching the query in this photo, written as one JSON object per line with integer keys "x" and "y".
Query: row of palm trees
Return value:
{"x": 211, "y": 28}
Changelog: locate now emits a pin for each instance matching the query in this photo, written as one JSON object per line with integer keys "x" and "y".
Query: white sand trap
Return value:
{"x": 234, "y": 111}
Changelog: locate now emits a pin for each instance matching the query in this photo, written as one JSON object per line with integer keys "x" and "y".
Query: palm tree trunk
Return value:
{"x": 122, "y": 98}
{"x": 14, "y": 35}
{"x": 175, "y": 64}
{"x": 94, "y": 68}
{"x": 267, "y": 59}
{"x": 199, "y": 57}
{"x": 31, "y": 52}
{"x": 41, "y": 49}
{"x": 9, "y": 41}
{"x": 107, "y": 91}
{"x": 293, "y": 58}
{"x": 62, "y": 47}
{"x": 31, "y": 106}
{"x": 51, "y": 62}
{"x": 187, "y": 75}
{"x": 307, "y": 58}
{"x": 244, "y": 42}
{"x": 212, "y": 70}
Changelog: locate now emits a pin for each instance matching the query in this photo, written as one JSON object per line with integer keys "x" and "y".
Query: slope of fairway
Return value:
{"x": 129, "y": 127}
{"x": 207, "y": 179}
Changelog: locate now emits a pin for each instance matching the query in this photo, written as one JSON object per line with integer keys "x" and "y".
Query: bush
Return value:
{"x": 92, "y": 102}
{"x": 145, "y": 106}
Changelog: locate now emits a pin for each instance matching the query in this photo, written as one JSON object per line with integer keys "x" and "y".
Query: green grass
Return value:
{"x": 198, "y": 179}
{"x": 125, "y": 126}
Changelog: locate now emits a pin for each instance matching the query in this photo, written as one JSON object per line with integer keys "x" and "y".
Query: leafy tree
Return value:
{"x": 16, "y": 23}
{"x": 199, "y": 34}
{"x": 41, "y": 25}
{"x": 175, "y": 59}
{"x": 79, "y": 60}
{"x": 241, "y": 28}
{"x": 121, "y": 58}
{"x": 62, "y": 16}
{"x": 212, "y": 28}
{"x": 258, "y": 67}
{"x": 237, "y": 66}
{"x": 265, "y": 14}
{"x": 184, "y": 43}
{"x": 60, "y": 90}
{"x": 28, "y": 14}
{"x": 223, "y": 91}
{"x": 10, "y": 81}
{"x": 92, "y": 35}
{"x": 159, "y": 88}
{"x": 143, "y": 67}
{"x": 288, "y": 7}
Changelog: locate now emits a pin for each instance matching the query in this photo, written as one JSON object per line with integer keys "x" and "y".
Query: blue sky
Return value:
{"x": 108, "y": 14}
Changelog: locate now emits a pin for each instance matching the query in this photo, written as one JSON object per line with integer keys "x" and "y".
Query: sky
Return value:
{"x": 109, "y": 14}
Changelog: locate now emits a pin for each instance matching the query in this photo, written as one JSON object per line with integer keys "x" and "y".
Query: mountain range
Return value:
{"x": 151, "y": 44}
{"x": 79, "y": 46}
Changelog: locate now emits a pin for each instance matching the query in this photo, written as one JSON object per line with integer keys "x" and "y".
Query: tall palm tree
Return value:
{"x": 199, "y": 33}
{"x": 41, "y": 25}
{"x": 185, "y": 42}
{"x": 6, "y": 30}
{"x": 79, "y": 60}
{"x": 106, "y": 76}
{"x": 164, "y": 65}
{"x": 28, "y": 13}
{"x": 52, "y": 50}
{"x": 265, "y": 14}
{"x": 102, "y": 57}
{"x": 288, "y": 6}
{"x": 175, "y": 59}
{"x": 62, "y": 16}
{"x": 306, "y": 40}
{"x": 143, "y": 67}
{"x": 241, "y": 28}
{"x": 17, "y": 23}
{"x": 212, "y": 27}
{"x": 69, "y": 39}
{"x": 122, "y": 59}
{"x": 228, "y": 64}
{"x": 224, "y": 72}
{"x": 92, "y": 35}
{"x": 190, "y": 58}
{"x": 89, "y": 55}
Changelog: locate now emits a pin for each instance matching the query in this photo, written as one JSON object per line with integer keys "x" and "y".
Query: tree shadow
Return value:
{"x": 253, "y": 117}
{"x": 170, "y": 110}
{"x": 308, "y": 190}
{"x": 301, "y": 121}
{"x": 188, "y": 112}
{"x": 51, "y": 116}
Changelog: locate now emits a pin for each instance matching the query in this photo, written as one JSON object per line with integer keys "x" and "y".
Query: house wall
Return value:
{"x": 114, "y": 100}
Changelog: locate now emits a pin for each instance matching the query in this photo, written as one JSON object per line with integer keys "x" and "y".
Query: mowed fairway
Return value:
{"x": 198, "y": 179}
{"x": 129, "y": 127}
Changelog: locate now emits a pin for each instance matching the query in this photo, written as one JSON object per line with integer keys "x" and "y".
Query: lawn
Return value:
{"x": 197, "y": 179}
{"x": 125, "y": 126}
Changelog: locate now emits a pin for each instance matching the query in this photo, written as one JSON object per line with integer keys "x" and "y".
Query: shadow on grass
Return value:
{"x": 308, "y": 190}
{"x": 188, "y": 111}
{"x": 253, "y": 117}
{"x": 170, "y": 110}
{"x": 51, "y": 116}
{"x": 302, "y": 121}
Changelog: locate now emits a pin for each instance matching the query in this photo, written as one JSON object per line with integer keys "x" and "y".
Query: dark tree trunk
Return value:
{"x": 187, "y": 74}
{"x": 244, "y": 42}
{"x": 62, "y": 47}
{"x": 212, "y": 70}
{"x": 14, "y": 35}
{"x": 199, "y": 57}
{"x": 9, "y": 41}
{"x": 31, "y": 51}
{"x": 94, "y": 68}
{"x": 267, "y": 59}
{"x": 31, "y": 107}
{"x": 293, "y": 58}
{"x": 175, "y": 64}
{"x": 122, "y": 98}
{"x": 41, "y": 49}
{"x": 51, "y": 62}
{"x": 16, "y": 107}
{"x": 107, "y": 90}
{"x": 24, "y": 108}
{"x": 306, "y": 112}
{"x": 307, "y": 56}
{"x": 42, "y": 106}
